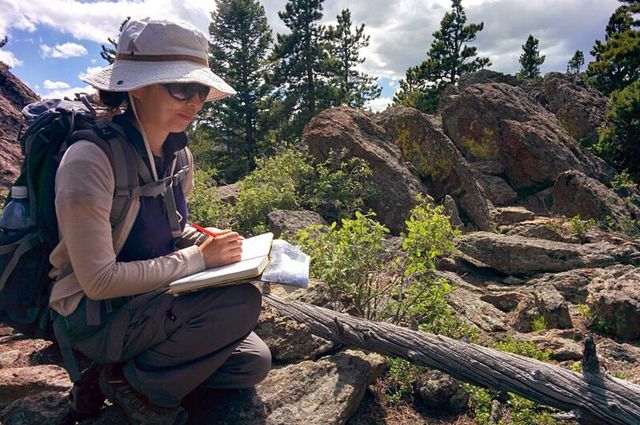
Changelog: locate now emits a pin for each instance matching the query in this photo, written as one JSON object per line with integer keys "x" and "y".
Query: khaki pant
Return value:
{"x": 172, "y": 345}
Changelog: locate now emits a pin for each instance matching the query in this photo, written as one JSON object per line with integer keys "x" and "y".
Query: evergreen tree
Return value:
{"x": 530, "y": 59}
{"x": 353, "y": 88}
{"x": 573, "y": 67}
{"x": 301, "y": 72}
{"x": 617, "y": 59}
{"x": 241, "y": 38}
{"x": 109, "y": 53}
{"x": 447, "y": 60}
{"x": 4, "y": 41}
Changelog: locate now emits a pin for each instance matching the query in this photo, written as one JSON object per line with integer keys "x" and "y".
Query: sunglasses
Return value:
{"x": 185, "y": 91}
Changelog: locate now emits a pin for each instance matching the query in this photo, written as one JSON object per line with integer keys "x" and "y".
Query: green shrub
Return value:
{"x": 595, "y": 323}
{"x": 401, "y": 376}
{"x": 523, "y": 348}
{"x": 538, "y": 323}
{"x": 205, "y": 207}
{"x": 580, "y": 227}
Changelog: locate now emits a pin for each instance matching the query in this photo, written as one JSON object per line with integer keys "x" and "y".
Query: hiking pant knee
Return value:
{"x": 171, "y": 345}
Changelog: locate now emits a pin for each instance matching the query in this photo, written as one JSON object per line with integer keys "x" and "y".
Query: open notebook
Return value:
{"x": 255, "y": 257}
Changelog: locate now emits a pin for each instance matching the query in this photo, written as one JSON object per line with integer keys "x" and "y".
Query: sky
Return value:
{"x": 52, "y": 43}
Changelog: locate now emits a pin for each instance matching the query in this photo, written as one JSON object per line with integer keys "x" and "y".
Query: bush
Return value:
{"x": 205, "y": 207}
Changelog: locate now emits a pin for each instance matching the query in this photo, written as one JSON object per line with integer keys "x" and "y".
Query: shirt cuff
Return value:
{"x": 194, "y": 260}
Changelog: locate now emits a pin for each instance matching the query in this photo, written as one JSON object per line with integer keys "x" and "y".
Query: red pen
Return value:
{"x": 205, "y": 231}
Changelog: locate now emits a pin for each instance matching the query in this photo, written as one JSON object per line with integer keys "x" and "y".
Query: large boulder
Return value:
{"x": 438, "y": 161}
{"x": 517, "y": 255}
{"x": 396, "y": 184}
{"x": 576, "y": 194}
{"x": 289, "y": 222}
{"x": 14, "y": 95}
{"x": 19, "y": 382}
{"x": 502, "y": 124}
{"x": 615, "y": 303}
{"x": 580, "y": 108}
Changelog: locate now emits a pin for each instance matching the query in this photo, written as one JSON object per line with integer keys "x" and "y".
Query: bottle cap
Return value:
{"x": 19, "y": 192}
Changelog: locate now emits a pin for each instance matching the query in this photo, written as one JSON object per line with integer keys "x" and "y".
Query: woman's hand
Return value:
{"x": 226, "y": 248}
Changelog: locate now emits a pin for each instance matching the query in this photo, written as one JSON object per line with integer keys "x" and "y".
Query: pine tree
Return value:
{"x": 530, "y": 59}
{"x": 354, "y": 88}
{"x": 573, "y": 67}
{"x": 109, "y": 53}
{"x": 447, "y": 60}
{"x": 301, "y": 70}
{"x": 4, "y": 41}
{"x": 617, "y": 59}
{"x": 240, "y": 43}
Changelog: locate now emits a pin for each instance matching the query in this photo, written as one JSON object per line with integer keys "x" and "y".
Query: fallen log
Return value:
{"x": 591, "y": 397}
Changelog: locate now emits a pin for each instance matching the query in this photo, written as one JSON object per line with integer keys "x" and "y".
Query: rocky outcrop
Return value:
{"x": 14, "y": 95}
{"x": 520, "y": 256}
{"x": 501, "y": 124}
{"x": 357, "y": 132}
{"x": 289, "y": 222}
{"x": 580, "y": 108}
{"x": 615, "y": 303}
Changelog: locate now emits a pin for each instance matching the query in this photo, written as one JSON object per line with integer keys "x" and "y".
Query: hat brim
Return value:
{"x": 129, "y": 75}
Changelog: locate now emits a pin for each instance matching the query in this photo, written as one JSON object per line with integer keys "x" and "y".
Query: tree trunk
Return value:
{"x": 593, "y": 398}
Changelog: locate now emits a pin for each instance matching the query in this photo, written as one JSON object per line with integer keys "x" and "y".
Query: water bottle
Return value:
{"x": 15, "y": 218}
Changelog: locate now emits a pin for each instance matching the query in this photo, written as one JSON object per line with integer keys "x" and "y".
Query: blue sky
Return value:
{"x": 52, "y": 42}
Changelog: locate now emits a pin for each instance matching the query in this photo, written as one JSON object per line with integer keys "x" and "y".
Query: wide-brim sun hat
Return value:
{"x": 157, "y": 51}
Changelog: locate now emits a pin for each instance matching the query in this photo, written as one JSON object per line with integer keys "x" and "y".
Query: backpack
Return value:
{"x": 53, "y": 126}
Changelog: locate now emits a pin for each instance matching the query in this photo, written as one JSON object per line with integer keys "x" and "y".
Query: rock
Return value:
{"x": 451, "y": 210}
{"x": 554, "y": 308}
{"x": 580, "y": 108}
{"x": 17, "y": 351}
{"x": 289, "y": 222}
{"x": 323, "y": 392}
{"x": 18, "y": 382}
{"x": 439, "y": 163}
{"x": 287, "y": 339}
{"x": 551, "y": 229}
{"x": 14, "y": 95}
{"x": 487, "y": 76}
{"x": 397, "y": 186}
{"x": 561, "y": 344}
{"x": 496, "y": 188}
{"x": 44, "y": 408}
{"x": 482, "y": 314}
{"x": 504, "y": 301}
{"x": 616, "y": 303}
{"x": 511, "y": 215}
{"x": 526, "y": 311}
{"x": 521, "y": 256}
{"x": 499, "y": 122}
{"x": 229, "y": 193}
{"x": 440, "y": 392}
{"x": 575, "y": 194}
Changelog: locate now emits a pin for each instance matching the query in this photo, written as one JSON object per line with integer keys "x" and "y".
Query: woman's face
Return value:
{"x": 160, "y": 111}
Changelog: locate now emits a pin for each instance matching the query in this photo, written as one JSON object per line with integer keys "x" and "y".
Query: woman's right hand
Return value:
{"x": 226, "y": 248}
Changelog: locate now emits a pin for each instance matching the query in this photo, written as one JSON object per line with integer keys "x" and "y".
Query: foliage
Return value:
{"x": 205, "y": 208}
{"x": 109, "y": 53}
{"x": 530, "y": 59}
{"x": 618, "y": 143}
{"x": 580, "y": 227}
{"x": 240, "y": 43}
{"x": 523, "y": 348}
{"x": 335, "y": 188}
{"x": 402, "y": 375}
{"x": 617, "y": 59}
{"x": 538, "y": 323}
{"x": 354, "y": 88}
{"x": 3, "y": 41}
{"x": 272, "y": 185}
{"x": 301, "y": 65}
{"x": 448, "y": 59}
{"x": 595, "y": 323}
{"x": 575, "y": 63}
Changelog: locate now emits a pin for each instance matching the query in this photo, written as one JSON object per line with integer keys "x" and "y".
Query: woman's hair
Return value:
{"x": 113, "y": 101}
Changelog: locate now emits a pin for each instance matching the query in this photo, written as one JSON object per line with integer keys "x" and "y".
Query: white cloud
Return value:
{"x": 63, "y": 51}
{"x": 89, "y": 70}
{"x": 55, "y": 85}
{"x": 66, "y": 92}
{"x": 379, "y": 104}
{"x": 9, "y": 58}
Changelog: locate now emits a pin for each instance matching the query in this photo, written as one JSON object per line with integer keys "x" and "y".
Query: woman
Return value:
{"x": 109, "y": 294}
